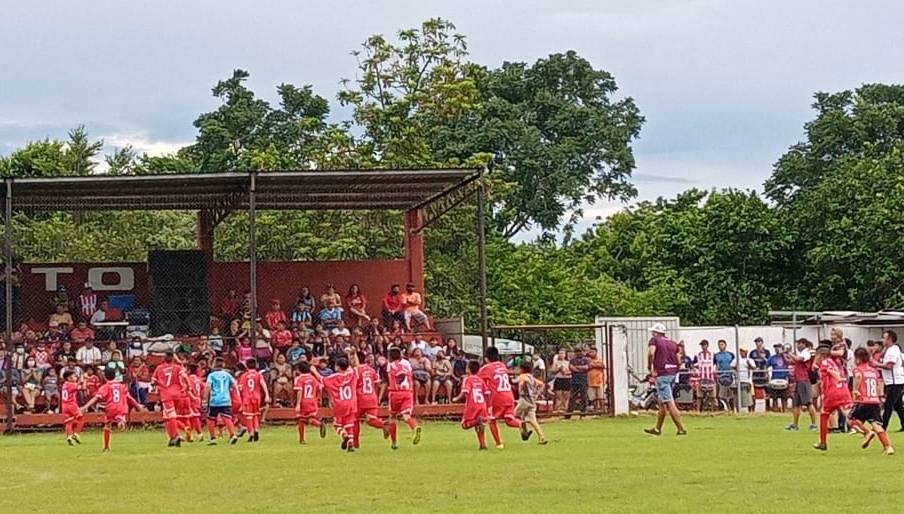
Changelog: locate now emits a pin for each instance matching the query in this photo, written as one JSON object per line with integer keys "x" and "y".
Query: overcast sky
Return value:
{"x": 725, "y": 86}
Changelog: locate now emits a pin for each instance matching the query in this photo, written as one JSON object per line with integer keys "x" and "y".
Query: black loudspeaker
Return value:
{"x": 180, "y": 297}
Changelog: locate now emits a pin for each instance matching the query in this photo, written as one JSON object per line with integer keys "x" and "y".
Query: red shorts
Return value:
{"x": 183, "y": 408}
{"x": 308, "y": 410}
{"x": 196, "y": 409}
{"x": 251, "y": 408}
{"x": 344, "y": 416}
{"x": 368, "y": 411}
{"x": 504, "y": 408}
{"x": 169, "y": 408}
{"x": 71, "y": 412}
{"x": 401, "y": 403}
{"x": 115, "y": 417}
{"x": 830, "y": 405}
{"x": 472, "y": 414}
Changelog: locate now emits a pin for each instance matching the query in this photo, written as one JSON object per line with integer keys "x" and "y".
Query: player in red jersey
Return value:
{"x": 834, "y": 390}
{"x": 117, "y": 401}
{"x": 867, "y": 392}
{"x": 196, "y": 386}
{"x": 502, "y": 402}
{"x": 368, "y": 404}
{"x": 172, "y": 383}
{"x": 474, "y": 392}
{"x": 73, "y": 419}
{"x": 401, "y": 396}
{"x": 342, "y": 388}
{"x": 253, "y": 387}
{"x": 235, "y": 395}
{"x": 307, "y": 397}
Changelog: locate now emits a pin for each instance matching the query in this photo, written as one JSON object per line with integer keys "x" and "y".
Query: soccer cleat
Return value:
{"x": 69, "y": 441}
{"x": 394, "y": 446}
{"x": 526, "y": 435}
{"x": 866, "y": 440}
{"x": 234, "y": 439}
{"x": 241, "y": 432}
{"x": 212, "y": 442}
{"x": 251, "y": 438}
{"x": 322, "y": 429}
{"x": 888, "y": 451}
{"x": 417, "y": 436}
{"x": 351, "y": 448}
{"x": 482, "y": 448}
{"x": 813, "y": 428}
{"x": 76, "y": 439}
{"x": 344, "y": 444}
{"x": 178, "y": 442}
{"x": 543, "y": 442}
{"x": 500, "y": 446}
{"x": 681, "y": 432}
{"x": 792, "y": 428}
{"x": 821, "y": 447}
{"x": 652, "y": 431}
{"x": 174, "y": 442}
{"x": 302, "y": 442}
{"x": 257, "y": 436}
{"x": 105, "y": 450}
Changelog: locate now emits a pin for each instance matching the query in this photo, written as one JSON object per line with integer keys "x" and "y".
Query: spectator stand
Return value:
{"x": 132, "y": 289}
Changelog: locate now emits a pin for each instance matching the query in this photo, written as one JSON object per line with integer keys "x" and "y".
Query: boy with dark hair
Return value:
{"x": 866, "y": 393}
{"x": 528, "y": 390}
{"x": 401, "y": 396}
{"x": 218, "y": 393}
{"x": 73, "y": 419}
{"x": 833, "y": 388}
{"x": 253, "y": 386}
{"x": 117, "y": 400}
{"x": 307, "y": 395}
{"x": 502, "y": 402}
{"x": 342, "y": 388}
{"x": 475, "y": 393}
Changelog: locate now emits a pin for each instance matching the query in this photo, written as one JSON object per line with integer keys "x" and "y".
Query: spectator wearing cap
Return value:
{"x": 802, "y": 394}
{"x": 778, "y": 379}
{"x": 745, "y": 366}
{"x": 275, "y": 315}
{"x": 413, "y": 303}
{"x": 663, "y": 359}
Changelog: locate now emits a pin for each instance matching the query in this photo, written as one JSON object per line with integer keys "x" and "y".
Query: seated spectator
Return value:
{"x": 413, "y": 303}
{"x": 235, "y": 334}
{"x": 202, "y": 351}
{"x": 88, "y": 355}
{"x": 15, "y": 379}
{"x": 296, "y": 352}
{"x": 91, "y": 382}
{"x": 323, "y": 368}
{"x": 42, "y": 356}
{"x": 281, "y": 381}
{"x": 422, "y": 371}
{"x": 442, "y": 376}
{"x": 397, "y": 329}
{"x": 418, "y": 343}
{"x": 433, "y": 349}
{"x": 60, "y": 297}
{"x": 31, "y": 383}
{"x": 275, "y": 315}
{"x": 357, "y": 306}
{"x": 331, "y": 316}
{"x": 391, "y": 307}
{"x": 117, "y": 365}
{"x": 330, "y": 297}
{"x": 100, "y": 315}
{"x": 50, "y": 390}
{"x": 301, "y": 316}
{"x": 61, "y": 315}
{"x": 459, "y": 368}
{"x": 282, "y": 338}
{"x": 135, "y": 349}
{"x": 229, "y": 306}
{"x": 318, "y": 345}
{"x": 20, "y": 357}
{"x": 373, "y": 330}
{"x": 81, "y": 333}
{"x": 340, "y": 329}
{"x": 215, "y": 340}
{"x": 307, "y": 301}
{"x": 451, "y": 346}
{"x": 244, "y": 351}
{"x": 139, "y": 380}
{"x": 106, "y": 355}
{"x": 72, "y": 365}
{"x": 57, "y": 334}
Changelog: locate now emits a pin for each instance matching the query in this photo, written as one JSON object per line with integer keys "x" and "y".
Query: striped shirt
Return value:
{"x": 705, "y": 366}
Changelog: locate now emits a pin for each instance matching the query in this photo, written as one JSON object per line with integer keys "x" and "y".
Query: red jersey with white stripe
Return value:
{"x": 868, "y": 389}
{"x": 342, "y": 387}
{"x": 196, "y": 388}
{"x": 475, "y": 392}
{"x": 308, "y": 388}
{"x": 367, "y": 387}
{"x": 69, "y": 395}
{"x": 401, "y": 380}
{"x": 495, "y": 376}
{"x": 834, "y": 391}
{"x": 252, "y": 383}
{"x": 171, "y": 380}
{"x": 115, "y": 396}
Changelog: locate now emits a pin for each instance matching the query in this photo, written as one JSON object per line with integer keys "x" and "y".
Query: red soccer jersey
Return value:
{"x": 475, "y": 392}
{"x": 92, "y": 383}
{"x": 400, "y": 377}
{"x": 69, "y": 395}
{"x": 496, "y": 377}
{"x": 868, "y": 389}
{"x": 308, "y": 387}
{"x": 341, "y": 386}
{"x": 116, "y": 398}
{"x": 367, "y": 387}
{"x": 171, "y": 380}
{"x": 834, "y": 391}
{"x": 252, "y": 385}
{"x": 196, "y": 387}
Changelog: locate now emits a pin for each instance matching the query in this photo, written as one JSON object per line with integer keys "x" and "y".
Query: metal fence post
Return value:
{"x": 252, "y": 254}
{"x": 737, "y": 340}
{"x": 8, "y": 284}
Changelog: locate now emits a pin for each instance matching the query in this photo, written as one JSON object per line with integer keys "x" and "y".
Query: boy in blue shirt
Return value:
{"x": 219, "y": 401}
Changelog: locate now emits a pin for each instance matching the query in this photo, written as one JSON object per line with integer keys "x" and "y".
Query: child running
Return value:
{"x": 867, "y": 391}
{"x": 833, "y": 388}
{"x": 307, "y": 392}
{"x": 117, "y": 400}
{"x": 475, "y": 393}
{"x": 73, "y": 419}
{"x": 526, "y": 409}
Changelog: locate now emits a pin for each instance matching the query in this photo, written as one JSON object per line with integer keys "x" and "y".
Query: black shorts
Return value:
{"x": 867, "y": 413}
{"x": 214, "y": 411}
{"x": 561, "y": 384}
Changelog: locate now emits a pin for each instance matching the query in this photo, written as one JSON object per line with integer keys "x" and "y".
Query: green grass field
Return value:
{"x": 724, "y": 465}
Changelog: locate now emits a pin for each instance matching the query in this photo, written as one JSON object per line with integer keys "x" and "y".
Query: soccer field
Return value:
{"x": 723, "y": 465}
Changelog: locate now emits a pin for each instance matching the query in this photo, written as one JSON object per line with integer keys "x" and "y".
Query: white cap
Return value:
{"x": 657, "y": 327}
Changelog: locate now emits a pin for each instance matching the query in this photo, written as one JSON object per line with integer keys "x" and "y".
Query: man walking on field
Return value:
{"x": 663, "y": 361}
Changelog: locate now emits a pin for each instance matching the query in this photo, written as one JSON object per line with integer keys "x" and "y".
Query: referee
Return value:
{"x": 893, "y": 376}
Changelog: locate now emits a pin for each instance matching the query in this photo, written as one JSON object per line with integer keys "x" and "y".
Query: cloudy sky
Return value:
{"x": 725, "y": 85}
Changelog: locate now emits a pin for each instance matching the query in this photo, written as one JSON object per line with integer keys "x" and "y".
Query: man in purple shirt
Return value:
{"x": 663, "y": 358}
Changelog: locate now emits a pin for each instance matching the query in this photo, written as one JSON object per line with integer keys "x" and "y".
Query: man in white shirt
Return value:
{"x": 893, "y": 376}
{"x": 88, "y": 355}
{"x": 745, "y": 366}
